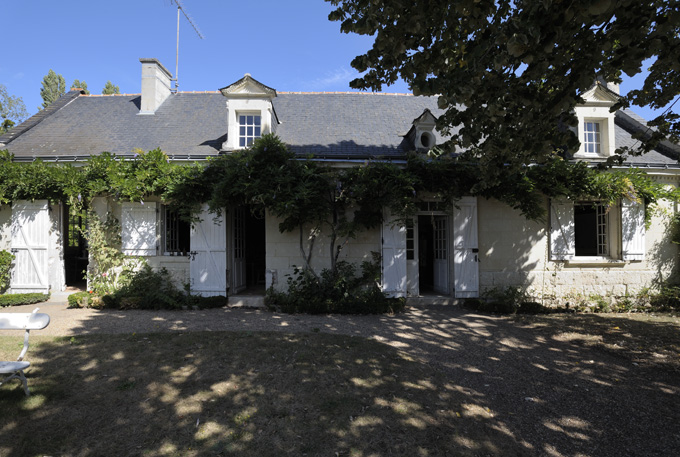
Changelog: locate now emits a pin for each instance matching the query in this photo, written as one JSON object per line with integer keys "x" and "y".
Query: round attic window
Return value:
{"x": 427, "y": 140}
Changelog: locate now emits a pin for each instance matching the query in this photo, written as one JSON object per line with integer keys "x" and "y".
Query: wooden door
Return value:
{"x": 30, "y": 238}
{"x": 208, "y": 267}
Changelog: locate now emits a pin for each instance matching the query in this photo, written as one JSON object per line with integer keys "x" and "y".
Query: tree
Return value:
{"x": 12, "y": 110}
{"x": 110, "y": 89}
{"x": 509, "y": 72}
{"x": 53, "y": 87}
{"x": 77, "y": 84}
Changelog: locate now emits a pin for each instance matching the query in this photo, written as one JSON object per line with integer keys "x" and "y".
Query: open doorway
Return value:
{"x": 248, "y": 252}
{"x": 433, "y": 261}
{"x": 75, "y": 249}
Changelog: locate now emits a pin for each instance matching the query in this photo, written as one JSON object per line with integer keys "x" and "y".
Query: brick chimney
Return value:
{"x": 156, "y": 85}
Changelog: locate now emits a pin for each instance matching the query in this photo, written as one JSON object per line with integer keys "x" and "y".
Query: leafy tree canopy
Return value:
{"x": 12, "y": 110}
{"x": 110, "y": 89}
{"x": 509, "y": 72}
{"x": 53, "y": 87}
{"x": 77, "y": 84}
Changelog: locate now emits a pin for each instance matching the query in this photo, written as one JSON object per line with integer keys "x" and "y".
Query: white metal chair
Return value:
{"x": 21, "y": 321}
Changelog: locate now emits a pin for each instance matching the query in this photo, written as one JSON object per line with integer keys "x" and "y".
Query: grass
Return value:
{"x": 305, "y": 394}
{"x": 252, "y": 394}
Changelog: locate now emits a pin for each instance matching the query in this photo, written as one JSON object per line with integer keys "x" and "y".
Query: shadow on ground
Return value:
{"x": 445, "y": 382}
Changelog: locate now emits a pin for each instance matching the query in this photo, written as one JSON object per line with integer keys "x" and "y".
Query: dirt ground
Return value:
{"x": 559, "y": 385}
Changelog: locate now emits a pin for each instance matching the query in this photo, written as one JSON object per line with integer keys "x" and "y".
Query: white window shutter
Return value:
{"x": 562, "y": 235}
{"x": 632, "y": 229}
{"x": 393, "y": 257}
{"x": 139, "y": 228}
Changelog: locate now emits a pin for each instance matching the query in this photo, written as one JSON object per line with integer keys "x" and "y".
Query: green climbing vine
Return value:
{"x": 310, "y": 197}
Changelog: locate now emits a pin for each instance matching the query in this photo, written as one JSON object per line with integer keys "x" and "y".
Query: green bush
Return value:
{"x": 80, "y": 300}
{"x": 5, "y": 269}
{"x": 146, "y": 289}
{"x": 22, "y": 299}
{"x": 150, "y": 289}
{"x": 340, "y": 292}
{"x": 666, "y": 299}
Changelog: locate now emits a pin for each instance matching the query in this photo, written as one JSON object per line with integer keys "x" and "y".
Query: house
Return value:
{"x": 584, "y": 248}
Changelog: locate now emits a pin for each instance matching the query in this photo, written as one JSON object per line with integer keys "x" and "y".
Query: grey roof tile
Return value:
{"x": 333, "y": 125}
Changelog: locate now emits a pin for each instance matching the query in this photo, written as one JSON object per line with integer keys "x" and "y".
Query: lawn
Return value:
{"x": 319, "y": 394}
{"x": 251, "y": 394}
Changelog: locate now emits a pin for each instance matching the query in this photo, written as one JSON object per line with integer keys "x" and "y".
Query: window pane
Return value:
{"x": 250, "y": 131}
{"x": 242, "y": 131}
{"x": 257, "y": 132}
{"x": 250, "y": 120}
{"x": 242, "y": 142}
{"x": 241, "y": 120}
{"x": 257, "y": 120}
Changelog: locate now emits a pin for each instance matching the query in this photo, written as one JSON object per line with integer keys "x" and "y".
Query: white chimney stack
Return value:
{"x": 156, "y": 85}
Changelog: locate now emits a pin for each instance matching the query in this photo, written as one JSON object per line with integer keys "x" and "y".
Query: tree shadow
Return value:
{"x": 436, "y": 381}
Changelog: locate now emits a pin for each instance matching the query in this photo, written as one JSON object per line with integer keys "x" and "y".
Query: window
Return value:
{"x": 410, "y": 240}
{"x": 592, "y": 138}
{"x": 249, "y": 129}
{"x": 176, "y": 234}
{"x": 591, "y": 228}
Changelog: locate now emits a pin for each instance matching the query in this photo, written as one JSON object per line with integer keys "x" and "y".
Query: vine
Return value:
{"x": 307, "y": 196}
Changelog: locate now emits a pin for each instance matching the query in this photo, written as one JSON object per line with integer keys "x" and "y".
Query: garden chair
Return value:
{"x": 20, "y": 321}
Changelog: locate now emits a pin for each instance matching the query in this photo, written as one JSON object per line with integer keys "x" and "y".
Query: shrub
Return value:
{"x": 22, "y": 299}
{"x": 5, "y": 269}
{"x": 151, "y": 289}
{"x": 146, "y": 289}
{"x": 340, "y": 291}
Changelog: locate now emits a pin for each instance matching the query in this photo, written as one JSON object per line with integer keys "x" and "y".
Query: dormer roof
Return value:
{"x": 600, "y": 94}
{"x": 248, "y": 87}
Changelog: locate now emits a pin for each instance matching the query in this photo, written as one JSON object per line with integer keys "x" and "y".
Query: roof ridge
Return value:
{"x": 38, "y": 117}
{"x": 346, "y": 93}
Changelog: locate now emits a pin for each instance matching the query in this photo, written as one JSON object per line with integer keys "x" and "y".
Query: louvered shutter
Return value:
{"x": 632, "y": 230}
{"x": 139, "y": 229}
{"x": 562, "y": 235}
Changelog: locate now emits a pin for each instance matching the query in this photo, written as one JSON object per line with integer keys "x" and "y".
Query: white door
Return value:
{"x": 465, "y": 248}
{"x": 238, "y": 230}
{"x": 30, "y": 239}
{"x": 393, "y": 257}
{"x": 441, "y": 255}
{"x": 208, "y": 268}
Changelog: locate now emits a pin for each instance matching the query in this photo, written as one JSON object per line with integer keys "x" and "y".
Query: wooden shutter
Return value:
{"x": 632, "y": 230}
{"x": 139, "y": 229}
{"x": 393, "y": 257}
{"x": 562, "y": 235}
{"x": 208, "y": 267}
{"x": 30, "y": 239}
{"x": 465, "y": 248}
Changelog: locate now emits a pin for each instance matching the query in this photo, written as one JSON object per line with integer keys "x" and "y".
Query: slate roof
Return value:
{"x": 193, "y": 126}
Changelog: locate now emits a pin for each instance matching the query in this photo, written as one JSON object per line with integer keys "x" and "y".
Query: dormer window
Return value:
{"x": 591, "y": 137}
{"x": 250, "y": 112}
{"x": 596, "y": 124}
{"x": 249, "y": 129}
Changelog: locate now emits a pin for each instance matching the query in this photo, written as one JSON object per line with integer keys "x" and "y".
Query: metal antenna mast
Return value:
{"x": 180, "y": 7}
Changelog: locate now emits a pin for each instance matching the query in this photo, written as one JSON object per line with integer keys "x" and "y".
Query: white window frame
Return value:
{"x": 603, "y": 229}
{"x": 248, "y": 132}
{"x": 165, "y": 239}
{"x": 592, "y": 136}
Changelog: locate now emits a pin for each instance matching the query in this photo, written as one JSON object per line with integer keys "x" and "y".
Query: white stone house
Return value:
{"x": 446, "y": 253}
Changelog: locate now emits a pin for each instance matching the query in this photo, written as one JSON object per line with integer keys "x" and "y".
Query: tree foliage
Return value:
{"x": 12, "y": 110}
{"x": 53, "y": 87}
{"x": 77, "y": 84}
{"x": 110, "y": 89}
{"x": 509, "y": 72}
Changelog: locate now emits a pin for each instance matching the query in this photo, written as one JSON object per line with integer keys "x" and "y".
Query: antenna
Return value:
{"x": 180, "y": 7}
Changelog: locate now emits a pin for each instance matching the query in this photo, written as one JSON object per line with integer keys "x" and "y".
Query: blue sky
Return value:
{"x": 286, "y": 44}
